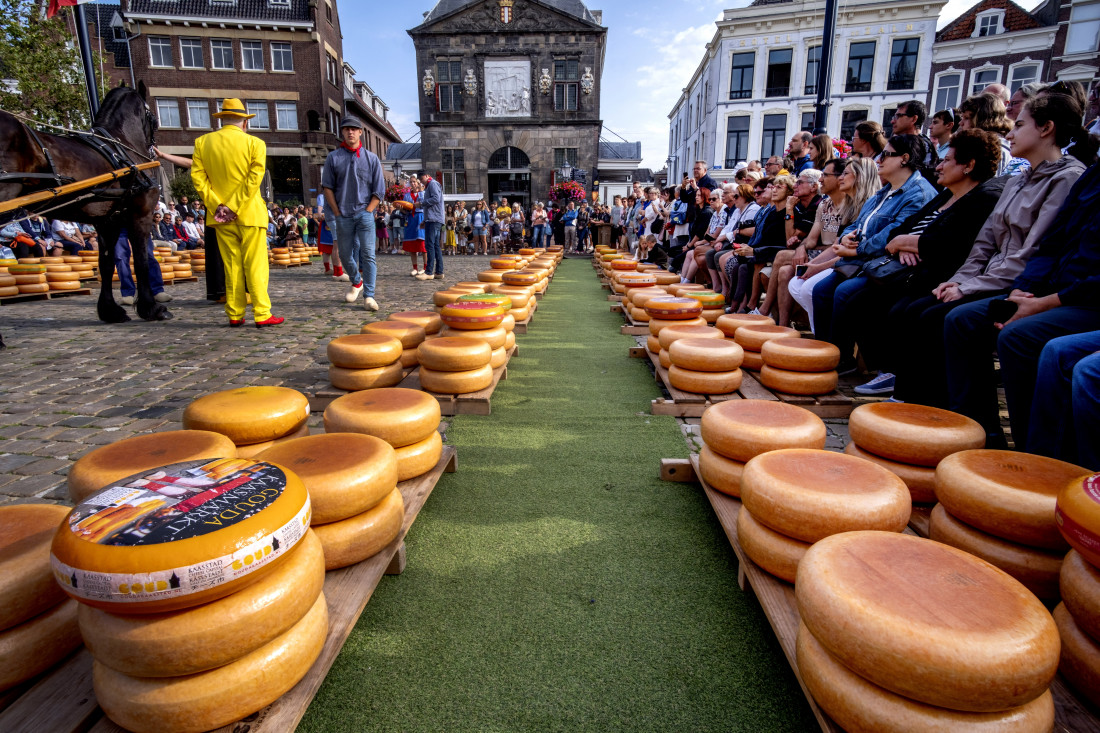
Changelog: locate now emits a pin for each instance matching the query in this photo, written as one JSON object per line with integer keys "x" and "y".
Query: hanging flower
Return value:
{"x": 842, "y": 148}
{"x": 397, "y": 192}
{"x": 567, "y": 191}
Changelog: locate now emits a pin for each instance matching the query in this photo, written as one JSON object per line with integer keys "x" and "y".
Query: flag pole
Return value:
{"x": 825, "y": 70}
{"x": 86, "y": 59}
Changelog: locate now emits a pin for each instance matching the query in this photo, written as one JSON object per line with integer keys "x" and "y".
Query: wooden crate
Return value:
{"x": 63, "y": 701}
{"x": 689, "y": 404}
{"x": 471, "y": 403}
{"x": 832, "y": 405}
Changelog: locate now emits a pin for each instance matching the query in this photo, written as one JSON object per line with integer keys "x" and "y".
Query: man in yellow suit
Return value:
{"x": 228, "y": 167}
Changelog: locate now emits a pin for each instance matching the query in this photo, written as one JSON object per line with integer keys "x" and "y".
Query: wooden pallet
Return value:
{"x": 323, "y": 393}
{"x": 63, "y": 701}
{"x": 180, "y": 280}
{"x": 632, "y": 327}
{"x": 471, "y": 403}
{"x": 833, "y": 405}
{"x": 12, "y": 299}
{"x": 689, "y": 404}
{"x": 521, "y": 326}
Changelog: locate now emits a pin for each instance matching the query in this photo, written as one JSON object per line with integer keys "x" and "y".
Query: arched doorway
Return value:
{"x": 510, "y": 176}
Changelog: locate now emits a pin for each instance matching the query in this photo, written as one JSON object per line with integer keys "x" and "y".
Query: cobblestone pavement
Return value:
{"x": 72, "y": 383}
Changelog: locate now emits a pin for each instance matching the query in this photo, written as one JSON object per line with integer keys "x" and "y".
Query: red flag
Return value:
{"x": 56, "y": 5}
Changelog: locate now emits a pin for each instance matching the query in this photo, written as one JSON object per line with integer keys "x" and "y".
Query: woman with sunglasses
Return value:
{"x": 708, "y": 207}
{"x": 741, "y": 210}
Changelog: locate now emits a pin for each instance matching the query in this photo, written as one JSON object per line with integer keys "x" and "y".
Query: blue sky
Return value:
{"x": 652, "y": 51}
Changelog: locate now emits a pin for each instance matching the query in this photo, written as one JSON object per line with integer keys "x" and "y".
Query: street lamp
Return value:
{"x": 396, "y": 172}
{"x": 566, "y": 171}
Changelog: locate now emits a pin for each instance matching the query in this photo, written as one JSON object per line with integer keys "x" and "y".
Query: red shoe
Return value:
{"x": 273, "y": 321}
{"x": 234, "y": 323}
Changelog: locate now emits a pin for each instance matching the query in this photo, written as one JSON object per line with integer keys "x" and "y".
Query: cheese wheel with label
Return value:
{"x": 858, "y": 706}
{"x": 364, "y": 351}
{"x": 249, "y": 415}
{"x": 356, "y": 379}
{"x": 496, "y": 336}
{"x": 464, "y": 382}
{"x": 409, "y": 334}
{"x": 796, "y": 383}
{"x": 472, "y": 315}
{"x": 37, "y": 644}
{"x": 503, "y": 301}
{"x": 1006, "y": 493}
{"x": 1077, "y": 513}
{"x": 397, "y": 415}
{"x": 419, "y": 458}
{"x": 810, "y": 494}
{"x": 98, "y": 469}
{"x": 1080, "y": 586}
{"x": 927, "y": 621}
{"x": 921, "y": 480}
{"x": 357, "y": 538}
{"x": 753, "y": 338}
{"x": 709, "y": 299}
{"x": 704, "y": 382}
{"x": 676, "y": 331}
{"x": 179, "y": 536}
{"x": 776, "y": 553}
{"x": 1036, "y": 569}
{"x": 743, "y": 429}
{"x": 255, "y": 449}
{"x": 27, "y": 585}
{"x": 208, "y": 700}
{"x": 633, "y": 280}
{"x": 672, "y": 308}
{"x": 213, "y": 634}
{"x": 721, "y": 473}
{"x": 454, "y": 354}
{"x": 345, "y": 473}
{"x": 800, "y": 355}
{"x": 729, "y": 323}
{"x": 656, "y": 325}
{"x": 912, "y": 433}
{"x": 1080, "y": 663}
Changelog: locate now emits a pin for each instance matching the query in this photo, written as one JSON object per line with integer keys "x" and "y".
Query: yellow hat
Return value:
{"x": 233, "y": 107}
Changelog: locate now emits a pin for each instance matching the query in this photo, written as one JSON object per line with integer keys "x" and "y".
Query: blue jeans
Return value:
{"x": 126, "y": 276}
{"x": 355, "y": 237}
{"x": 538, "y": 233}
{"x": 1065, "y": 416}
{"x": 432, "y": 230}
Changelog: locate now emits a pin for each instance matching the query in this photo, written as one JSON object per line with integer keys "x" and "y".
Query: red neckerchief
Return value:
{"x": 355, "y": 150}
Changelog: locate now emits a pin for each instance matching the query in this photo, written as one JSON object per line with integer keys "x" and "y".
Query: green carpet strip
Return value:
{"x": 554, "y": 583}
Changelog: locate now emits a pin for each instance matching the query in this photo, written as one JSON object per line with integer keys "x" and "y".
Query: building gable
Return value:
{"x": 525, "y": 16}
{"x": 1015, "y": 19}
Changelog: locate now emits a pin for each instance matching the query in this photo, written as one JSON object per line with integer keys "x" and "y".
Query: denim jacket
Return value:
{"x": 898, "y": 206}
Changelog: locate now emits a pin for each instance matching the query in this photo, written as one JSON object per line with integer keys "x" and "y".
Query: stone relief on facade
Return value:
{"x": 508, "y": 88}
{"x": 429, "y": 83}
{"x": 545, "y": 82}
{"x": 487, "y": 17}
{"x": 470, "y": 83}
{"x": 587, "y": 80}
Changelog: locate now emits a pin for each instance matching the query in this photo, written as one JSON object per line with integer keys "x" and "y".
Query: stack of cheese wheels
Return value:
{"x": 714, "y": 304}
{"x": 1078, "y": 616}
{"x": 795, "y": 497}
{"x": 492, "y": 335}
{"x": 408, "y": 333}
{"x": 37, "y": 621}
{"x": 632, "y": 280}
{"x": 428, "y": 320}
{"x": 352, "y": 483}
{"x": 737, "y": 431}
{"x": 407, "y": 419}
{"x": 192, "y": 623}
{"x": 8, "y": 284}
{"x": 711, "y": 368}
{"x": 365, "y": 361}
{"x": 441, "y": 298}
{"x": 635, "y": 299}
{"x": 534, "y": 279}
{"x": 280, "y": 256}
{"x": 254, "y": 418}
{"x": 523, "y": 300}
{"x": 753, "y": 337}
{"x": 799, "y": 366}
{"x": 29, "y": 278}
{"x": 456, "y": 365}
{"x": 901, "y": 633}
{"x": 911, "y": 440}
{"x": 198, "y": 261}
{"x": 62, "y": 277}
{"x": 504, "y": 263}
{"x": 999, "y": 505}
{"x": 670, "y": 311}
{"x": 729, "y": 323}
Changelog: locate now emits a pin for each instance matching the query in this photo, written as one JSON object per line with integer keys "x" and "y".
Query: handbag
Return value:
{"x": 888, "y": 270}
{"x": 657, "y": 226}
{"x": 679, "y": 213}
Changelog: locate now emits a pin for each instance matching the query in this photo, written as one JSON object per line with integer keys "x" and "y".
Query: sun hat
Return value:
{"x": 232, "y": 107}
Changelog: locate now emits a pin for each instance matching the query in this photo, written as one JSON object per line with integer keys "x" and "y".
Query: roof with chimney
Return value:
{"x": 107, "y": 18}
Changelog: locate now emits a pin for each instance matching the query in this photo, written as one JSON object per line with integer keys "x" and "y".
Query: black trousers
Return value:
{"x": 215, "y": 269}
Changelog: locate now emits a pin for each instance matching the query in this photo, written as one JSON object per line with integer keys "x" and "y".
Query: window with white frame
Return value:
{"x": 286, "y": 116}
{"x": 168, "y": 112}
{"x": 252, "y": 55}
{"x": 334, "y": 122}
{"x": 191, "y": 53}
{"x": 988, "y": 23}
{"x": 1084, "y": 29}
{"x": 160, "y": 51}
{"x": 1022, "y": 74}
{"x": 983, "y": 78}
{"x": 221, "y": 54}
{"x": 947, "y": 91}
{"x": 198, "y": 114}
{"x": 282, "y": 58}
{"x": 261, "y": 121}
{"x": 774, "y": 136}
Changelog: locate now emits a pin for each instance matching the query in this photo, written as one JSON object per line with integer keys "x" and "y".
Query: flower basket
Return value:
{"x": 397, "y": 192}
{"x": 842, "y": 148}
{"x": 567, "y": 191}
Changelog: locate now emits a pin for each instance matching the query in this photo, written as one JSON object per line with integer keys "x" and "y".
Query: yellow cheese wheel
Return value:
{"x": 255, "y": 449}
{"x": 364, "y": 351}
{"x": 519, "y": 294}
{"x": 656, "y": 325}
{"x": 499, "y": 358}
{"x": 409, "y": 334}
{"x": 653, "y": 344}
{"x": 409, "y": 358}
{"x": 504, "y": 264}
{"x": 671, "y": 308}
{"x": 1036, "y": 569}
{"x": 355, "y": 379}
{"x": 666, "y": 278}
{"x": 639, "y": 315}
{"x": 444, "y": 297}
{"x": 729, "y": 323}
{"x": 858, "y": 706}
{"x": 27, "y": 585}
{"x": 503, "y": 301}
{"x": 509, "y": 340}
{"x": 521, "y": 314}
{"x": 680, "y": 290}
{"x": 454, "y": 354}
{"x": 743, "y": 429}
{"x": 519, "y": 277}
{"x": 357, "y": 538}
{"x": 508, "y": 324}
{"x": 1077, "y": 513}
{"x": 101, "y": 467}
{"x": 753, "y": 338}
{"x": 27, "y": 267}
{"x": 921, "y": 480}
{"x": 470, "y": 286}
{"x": 345, "y": 473}
{"x": 913, "y": 433}
{"x": 472, "y": 315}
{"x": 496, "y": 337}
{"x": 6, "y": 280}
{"x": 419, "y": 458}
{"x": 217, "y": 697}
{"x": 705, "y": 354}
{"x": 810, "y": 494}
{"x": 71, "y": 259}
{"x": 62, "y": 277}
{"x": 6, "y": 291}
{"x": 37, "y": 644}
{"x": 631, "y": 280}
{"x": 249, "y": 414}
{"x": 32, "y": 287}
{"x": 1006, "y": 494}
{"x": 1080, "y": 663}
{"x": 641, "y": 296}
{"x": 710, "y": 300}
{"x": 676, "y": 331}
{"x": 397, "y": 415}
{"x": 56, "y": 286}
{"x": 711, "y": 315}
{"x": 1080, "y": 586}
{"x": 57, "y": 268}
{"x": 213, "y": 634}
{"x": 752, "y": 360}
{"x": 704, "y": 382}
{"x": 491, "y": 276}
{"x": 180, "y": 535}
{"x": 464, "y": 382}
{"x": 797, "y": 383}
{"x": 800, "y": 355}
{"x": 721, "y": 473}
{"x": 927, "y": 621}
{"x": 663, "y": 358}
{"x": 623, "y": 264}
{"x": 776, "y": 553}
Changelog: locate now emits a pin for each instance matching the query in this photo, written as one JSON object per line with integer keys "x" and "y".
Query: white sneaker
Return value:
{"x": 162, "y": 297}
{"x": 127, "y": 300}
{"x": 421, "y": 272}
{"x": 353, "y": 293}
{"x": 423, "y": 276}
{"x": 370, "y": 303}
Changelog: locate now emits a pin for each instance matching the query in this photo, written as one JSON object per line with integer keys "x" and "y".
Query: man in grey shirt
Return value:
{"x": 431, "y": 202}
{"x": 354, "y": 186}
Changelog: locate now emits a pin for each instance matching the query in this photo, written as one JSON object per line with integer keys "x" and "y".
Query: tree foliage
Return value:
{"x": 40, "y": 60}
{"x": 182, "y": 185}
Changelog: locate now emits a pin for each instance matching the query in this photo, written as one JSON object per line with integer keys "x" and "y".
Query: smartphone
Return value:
{"x": 800, "y": 270}
{"x": 1001, "y": 310}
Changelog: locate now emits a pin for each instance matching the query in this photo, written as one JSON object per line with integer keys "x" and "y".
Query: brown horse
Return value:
{"x": 126, "y": 204}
